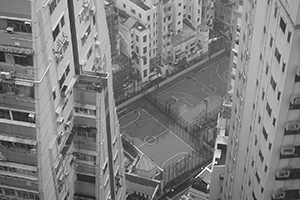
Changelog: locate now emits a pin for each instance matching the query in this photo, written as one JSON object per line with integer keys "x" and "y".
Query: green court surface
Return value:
{"x": 153, "y": 138}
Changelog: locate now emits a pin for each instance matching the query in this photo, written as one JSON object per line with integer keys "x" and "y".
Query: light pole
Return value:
{"x": 206, "y": 126}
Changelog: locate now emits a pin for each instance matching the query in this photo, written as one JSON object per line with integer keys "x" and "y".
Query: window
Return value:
{"x": 23, "y": 60}
{"x": 61, "y": 81}
{"x": 145, "y": 50}
{"x": 54, "y": 94}
{"x": 67, "y": 70}
{"x": 265, "y": 134}
{"x": 140, "y": 15}
{"x": 277, "y": 55}
{"x": 52, "y": 5}
{"x": 145, "y": 73}
{"x": 259, "y": 119}
{"x": 124, "y": 5}
{"x": 266, "y": 168}
{"x": 271, "y": 41}
{"x": 289, "y": 36}
{"x": 55, "y": 32}
{"x": 270, "y": 146}
{"x": 2, "y": 56}
{"x": 268, "y": 108}
{"x": 184, "y": 6}
{"x": 274, "y": 121}
{"x": 19, "y": 26}
{"x": 189, "y": 16}
{"x": 283, "y": 67}
{"x": 62, "y": 21}
{"x": 179, "y": 4}
{"x": 137, "y": 50}
{"x": 273, "y": 83}
{"x": 137, "y": 61}
{"x": 4, "y": 114}
{"x": 137, "y": 38}
{"x": 144, "y": 60}
{"x": 275, "y": 11}
{"x": 145, "y": 38}
{"x": 148, "y": 17}
{"x": 282, "y": 24}
{"x": 267, "y": 69}
{"x": 89, "y": 53}
{"x": 263, "y": 95}
{"x": 278, "y": 95}
{"x": 257, "y": 178}
{"x": 132, "y": 10}
{"x": 261, "y": 156}
{"x": 179, "y": 13}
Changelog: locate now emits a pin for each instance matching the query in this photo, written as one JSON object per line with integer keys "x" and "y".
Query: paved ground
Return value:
{"x": 153, "y": 138}
{"x": 186, "y": 95}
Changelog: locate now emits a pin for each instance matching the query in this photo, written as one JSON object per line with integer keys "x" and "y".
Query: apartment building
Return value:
{"x": 59, "y": 134}
{"x": 262, "y": 159}
{"x": 164, "y": 20}
{"x": 236, "y": 29}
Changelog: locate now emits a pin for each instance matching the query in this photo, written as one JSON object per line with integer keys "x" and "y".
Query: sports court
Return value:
{"x": 189, "y": 95}
{"x": 153, "y": 138}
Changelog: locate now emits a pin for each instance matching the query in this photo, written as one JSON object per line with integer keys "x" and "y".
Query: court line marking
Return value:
{"x": 217, "y": 70}
{"x": 154, "y": 137}
{"x": 129, "y": 113}
{"x": 205, "y": 86}
{"x": 162, "y": 166}
{"x": 184, "y": 93}
{"x": 183, "y": 98}
{"x": 204, "y": 68}
{"x": 168, "y": 129}
{"x": 138, "y": 117}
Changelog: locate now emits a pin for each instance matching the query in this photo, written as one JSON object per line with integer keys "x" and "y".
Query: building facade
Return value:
{"x": 59, "y": 134}
{"x": 263, "y": 148}
{"x": 163, "y": 20}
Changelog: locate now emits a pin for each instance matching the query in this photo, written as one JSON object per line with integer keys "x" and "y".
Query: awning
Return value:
{"x": 17, "y": 140}
{"x": 16, "y": 50}
{"x": 18, "y": 166}
{"x": 23, "y": 83}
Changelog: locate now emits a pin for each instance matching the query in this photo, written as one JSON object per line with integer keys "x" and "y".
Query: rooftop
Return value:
{"x": 140, "y": 4}
{"x": 220, "y": 154}
{"x": 92, "y": 81}
{"x": 185, "y": 35}
{"x": 131, "y": 22}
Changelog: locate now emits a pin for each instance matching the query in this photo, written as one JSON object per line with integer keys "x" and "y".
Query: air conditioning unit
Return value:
{"x": 98, "y": 55}
{"x": 60, "y": 120}
{"x": 279, "y": 195}
{"x": 283, "y": 173}
{"x": 86, "y": 35}
{"x": 63, "y": 91}
{"x": 32, "y": 150}
{"x": 293, "y": 127}
{"x": 27, "y": 23}
{"x": 85, "y": 3}
{"x": 31, "y": 116}
{"x": 97, "y": 43}
{"x": 297, "y": 100}
{"x": 93, "y": 10}
{"x": 68, "y": 123}
{"x": 5, "y": 75}
{"x": 59, "y": 57}
{"x": 10, "y": 29}
{"x": 287, "y": 150}
{"x": 61, "y": 134}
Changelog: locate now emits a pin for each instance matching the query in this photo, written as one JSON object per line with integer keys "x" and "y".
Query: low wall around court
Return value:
{"x": 169, "y": 79}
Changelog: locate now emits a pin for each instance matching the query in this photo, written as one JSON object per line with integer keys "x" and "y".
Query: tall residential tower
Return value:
{"x": 263, "y": 152}
{"x": 59, "y": 135}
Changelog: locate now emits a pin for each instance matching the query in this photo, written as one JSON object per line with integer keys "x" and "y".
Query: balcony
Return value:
{"x": 286, "y": 194}
{"x": 287, "y": 174}
{"x": 290, "y": 151}
{"x": 18, "y": 90}
{"x": 68, "y": 145}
